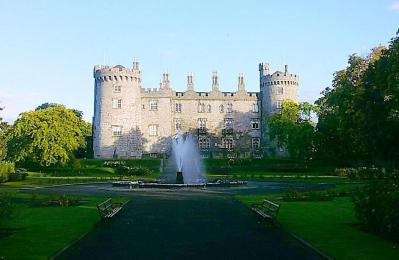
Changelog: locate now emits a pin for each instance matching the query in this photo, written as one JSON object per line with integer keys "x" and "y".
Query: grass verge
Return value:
{"x": 40, "y": 232}
{"x": 331, "y": 227}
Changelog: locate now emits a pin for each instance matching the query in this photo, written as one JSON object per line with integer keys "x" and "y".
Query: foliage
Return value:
{"x": 54, "y": 201}
{"x": 113, "y": 164}
{"x": 126, "y": 170}
{"x": 359, "y": 115}
{"x": 6, "y": 206}
{"x": 6, "y": 169}
{"x": 46, "y": 136}
{"x": 377, "y": 207}
{"x": 292, "y": 128}
{"x": 46, "y": 105}
{"x": 294, "y": 195}
{"x": 361, "y": 173}
{"x": 3, "y": 138}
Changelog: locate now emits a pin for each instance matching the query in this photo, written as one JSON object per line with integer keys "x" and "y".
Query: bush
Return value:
{"x": 113, "y": 164}
{"x": 125, "y": 170}
{"x": 377, "y": 207}
{"x": 6, "y": 169}
{"x": 360, "y": 173}
{"x": 6, "y": 206}
{"x": 309, "y": 196}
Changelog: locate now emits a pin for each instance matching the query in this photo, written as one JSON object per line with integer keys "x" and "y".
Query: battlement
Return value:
{"x": 116, "y": 73}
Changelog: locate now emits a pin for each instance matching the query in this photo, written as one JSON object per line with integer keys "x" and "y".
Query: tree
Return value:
{"x": 359, "y": 116}
{"x": 50, "y": 104}
{"x": 47, "y": 136}
{"x": 3, "y": 138}
{"x": 293, "y": 129}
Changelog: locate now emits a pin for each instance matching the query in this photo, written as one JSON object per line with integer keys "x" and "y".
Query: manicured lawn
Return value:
{"x": 40, "y": 232}
{"x": 331, "y": 227}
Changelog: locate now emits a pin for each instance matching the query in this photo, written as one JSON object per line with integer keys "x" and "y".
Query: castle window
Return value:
{"x": 116, "y": 130}
{"x": 280, "y": 91}
{"x": 178, "y": 107}
{"x": 117, "y": 103}
{"x": 221, "y": 108}
{"x": 209, "y": 109}
{"x": 154, "y": 105}
{"x": 117, "y": 88}
{"x": 255, "y": 123}
{"x": 178, "y": 124}
{"x": 255, "y": 108}
{"x": 229, "y": 108}
{"x": 228, "y": 123}
{"x": 153, "y": 130}
{"x": 228, "y": 142}
{"x": 279, "y": 104}
{"x": 201, "y": 108}
{"x": 202, "y": 123}
{"x": 255, "y": 142}
{"x": 204, "y": 142}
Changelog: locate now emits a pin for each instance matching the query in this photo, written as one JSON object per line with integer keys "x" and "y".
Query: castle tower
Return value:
{"x": 274, "y": 88}
{"x": 117, "y": 103}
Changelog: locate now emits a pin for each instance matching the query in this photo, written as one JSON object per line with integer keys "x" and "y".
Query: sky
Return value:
{"x": 48, "y": 48}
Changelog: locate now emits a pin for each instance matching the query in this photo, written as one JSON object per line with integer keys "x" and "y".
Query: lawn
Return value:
{"x": 40, "y": 232}
{"x": 331, "y": 227}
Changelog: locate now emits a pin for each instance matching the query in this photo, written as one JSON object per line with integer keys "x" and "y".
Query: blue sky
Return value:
{"x": 48, "y": 48}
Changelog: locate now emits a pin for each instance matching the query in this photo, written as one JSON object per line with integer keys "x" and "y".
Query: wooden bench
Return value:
{"x": 108, "y": 209}
{"x": 267, "y": 210}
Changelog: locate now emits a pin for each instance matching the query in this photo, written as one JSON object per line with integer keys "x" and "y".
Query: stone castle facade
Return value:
{"x": 131, "y": 121}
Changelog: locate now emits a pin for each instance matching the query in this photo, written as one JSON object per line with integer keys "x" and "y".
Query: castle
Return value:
{"x": 131, "y": 121}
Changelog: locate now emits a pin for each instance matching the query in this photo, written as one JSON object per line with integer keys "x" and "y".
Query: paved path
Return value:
{"x": 186, "y": 225}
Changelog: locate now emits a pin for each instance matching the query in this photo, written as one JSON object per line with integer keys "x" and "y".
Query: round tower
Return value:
{"x": 274, "y": 89}
{"x": 277, "y": 87}
{"x": 117, "y": 104}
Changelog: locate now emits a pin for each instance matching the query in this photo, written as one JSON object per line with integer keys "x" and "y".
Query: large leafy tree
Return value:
{"x": 292, "y": 128}
{"x": 47, "y": 136}
{"x": 359, "y": 115}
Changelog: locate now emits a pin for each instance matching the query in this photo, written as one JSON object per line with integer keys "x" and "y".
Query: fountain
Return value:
{"x": 186, "y": 157}
{"x": 182, "y": 168}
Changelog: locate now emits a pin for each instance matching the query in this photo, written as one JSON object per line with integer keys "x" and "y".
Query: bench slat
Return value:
{"x": 107, "y": 209}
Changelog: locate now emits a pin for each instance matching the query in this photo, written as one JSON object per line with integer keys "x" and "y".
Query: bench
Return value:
{"x": 267, "y": 210}
{"x": 108, "y": 209}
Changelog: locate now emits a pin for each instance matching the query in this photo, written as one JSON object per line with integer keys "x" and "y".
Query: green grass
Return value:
{"x": 331, "y": 227}
{"x": 40, "y": 232}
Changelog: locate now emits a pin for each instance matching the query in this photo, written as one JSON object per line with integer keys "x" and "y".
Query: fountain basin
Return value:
{"x": 157, "y": 185}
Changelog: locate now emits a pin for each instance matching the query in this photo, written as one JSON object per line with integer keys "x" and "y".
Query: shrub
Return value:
{"x": 360, "y": 173}
{"x": 6, "y": 169}
{"x": 294, "y": 195}
{"x": 126, "y": 170}
{"x": 377, "y": 207}
{"x": 6, "y": 206}
{"x": 113, "y": 164}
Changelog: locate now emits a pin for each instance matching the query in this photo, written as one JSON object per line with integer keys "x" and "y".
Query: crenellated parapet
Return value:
{"x": 117, "y": 73}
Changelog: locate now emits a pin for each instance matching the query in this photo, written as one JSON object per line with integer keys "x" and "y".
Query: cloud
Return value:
{"x": 395, "y": 7}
